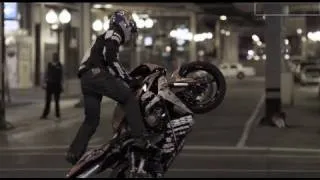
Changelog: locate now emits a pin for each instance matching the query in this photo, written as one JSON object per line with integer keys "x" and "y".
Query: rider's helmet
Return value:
{"x": 123, "y": 19}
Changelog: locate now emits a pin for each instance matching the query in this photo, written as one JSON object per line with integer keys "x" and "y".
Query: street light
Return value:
{"x": 227, "y": 33}
{"x": 52, "y": 17}
{"x": 97, "y": 25}
{"x": 223, "y": 17}
{"x": 148, "y": 23}
{"x": 299, "y": 31}
{"x": 64, "y": 16}
{"x": 57, "y": 23}
{"x": 286, "y": 42}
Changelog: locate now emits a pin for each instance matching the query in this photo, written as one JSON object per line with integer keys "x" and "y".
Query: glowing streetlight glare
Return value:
{"x": 197, "y": 38}
{"x": 108, "y": 6}
{"x": 135, "y": 17}
{"x": 222, "y": 31}
{"x": 286, "y": 56}
{"x": 52, "y": 17}
{"x": 286, "y": 41}
{"x": 97, "y": 6}
{"x": 223, "y": 17}
{"x": 97, "y": 25}
{"x": 140, "y": 23}
{"x": 148, "y": 41}
{"x": 255, "y": 38}
{"x": 209, "y": 35}
{"x": 180, "y": 42}
{"x": 264, "y": 57}
{"x": 54, "y": 26}
{"x": 259, "y": 43}
{"x": 173, "y": 33}
{"x": 64, "y": 16}
{"x": 189, "y": 36}
{"x": 148, "y": 23}
{"x": 299, "y": 31}
{"x": 314, "y": 36}
{"x": 168, "y": 48}
{"x": 227, "y": 33}
{"x": 250, "y": 52}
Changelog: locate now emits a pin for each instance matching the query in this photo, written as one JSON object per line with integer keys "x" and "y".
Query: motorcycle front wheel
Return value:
{"x": 209, "y": 96}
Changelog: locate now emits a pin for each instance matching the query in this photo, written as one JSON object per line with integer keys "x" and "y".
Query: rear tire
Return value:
{"x": 122, "y": 171}
{"x": 218, "y": 77}
{"x": 119, "y": 171}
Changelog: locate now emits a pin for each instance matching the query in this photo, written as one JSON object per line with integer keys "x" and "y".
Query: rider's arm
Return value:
{"x": 110, "y": 52}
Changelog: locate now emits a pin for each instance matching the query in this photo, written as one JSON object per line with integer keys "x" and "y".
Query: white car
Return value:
{"x": 310, "y": 75}
{"x": 236, "y": 70}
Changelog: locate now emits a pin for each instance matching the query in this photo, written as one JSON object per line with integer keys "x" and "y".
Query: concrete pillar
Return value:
{"x": 85, "y": 36}
{"x": 193, "y": 29}
{"x": 85, "y": 33}
{"x": 42, "y": 15}
{"x": 274, "y": 45}
{"x": 3, "y": 123}
{"x": 304, "y": 44}
{"x": 217, "y": 41}
{"x": 231, "y": 47}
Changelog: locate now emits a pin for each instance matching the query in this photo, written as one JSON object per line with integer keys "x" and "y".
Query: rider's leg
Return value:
{"x": 120, "y": 92}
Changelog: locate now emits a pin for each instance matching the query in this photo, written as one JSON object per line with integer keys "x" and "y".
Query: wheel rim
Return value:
{"x": 211, "y": 91}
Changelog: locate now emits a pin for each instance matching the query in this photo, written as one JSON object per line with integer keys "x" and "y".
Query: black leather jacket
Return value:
{"x": 104, "y": 53}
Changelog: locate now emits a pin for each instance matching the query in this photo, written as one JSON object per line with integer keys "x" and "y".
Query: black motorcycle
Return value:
{"x": 168, "y": 105}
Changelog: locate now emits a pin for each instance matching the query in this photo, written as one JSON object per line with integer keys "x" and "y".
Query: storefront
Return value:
{"x": 18, "y": 49}
{"x": 34, "y": 37}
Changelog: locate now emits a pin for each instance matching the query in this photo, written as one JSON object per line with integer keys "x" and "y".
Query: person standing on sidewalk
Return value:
{"x": 53, "y": 85}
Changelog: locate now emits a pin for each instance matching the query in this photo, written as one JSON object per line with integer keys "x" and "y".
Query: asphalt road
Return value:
{"x": 212, "y": 149}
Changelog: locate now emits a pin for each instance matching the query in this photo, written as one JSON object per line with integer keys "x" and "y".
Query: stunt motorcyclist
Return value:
{"x": 102, "y": 75}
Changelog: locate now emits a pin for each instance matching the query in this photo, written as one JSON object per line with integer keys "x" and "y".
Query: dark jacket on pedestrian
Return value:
{"x": 54, "y": 76}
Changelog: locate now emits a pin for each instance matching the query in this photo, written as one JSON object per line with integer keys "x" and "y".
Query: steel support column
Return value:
{"x": 274, "y": 45}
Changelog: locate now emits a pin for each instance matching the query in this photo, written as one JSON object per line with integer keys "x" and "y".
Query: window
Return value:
{"x": 224, "y": 66}
{"x": 233, "y": 66}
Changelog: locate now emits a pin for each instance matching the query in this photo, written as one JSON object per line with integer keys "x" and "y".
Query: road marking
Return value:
{"x": 179, "y": 170}
{"x": 187, "y": 147}
{"x": 247, "y": 127}
{"x": 248, "y": 155}
{"x": 232, "y": 148}
{"x": 195, "y": 155}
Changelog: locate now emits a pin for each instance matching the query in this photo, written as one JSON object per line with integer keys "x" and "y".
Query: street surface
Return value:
{"x": 226, "y": 142}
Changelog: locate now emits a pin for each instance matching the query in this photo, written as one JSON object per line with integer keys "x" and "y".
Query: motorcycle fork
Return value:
{"x": 141, "y": 165}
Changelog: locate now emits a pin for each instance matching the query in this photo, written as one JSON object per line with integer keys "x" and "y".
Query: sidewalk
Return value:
{"x": 303, "y": 119}
{"x": 26, "y": 119}
{"x": 37, "y": 94}
{"x": 27, "y": 105}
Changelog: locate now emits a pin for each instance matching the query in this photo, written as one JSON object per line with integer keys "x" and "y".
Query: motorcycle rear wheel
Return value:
{"x": 123, "y": 171}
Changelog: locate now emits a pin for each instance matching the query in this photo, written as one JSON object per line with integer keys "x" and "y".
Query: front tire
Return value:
{"x": 218, "y": 78}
